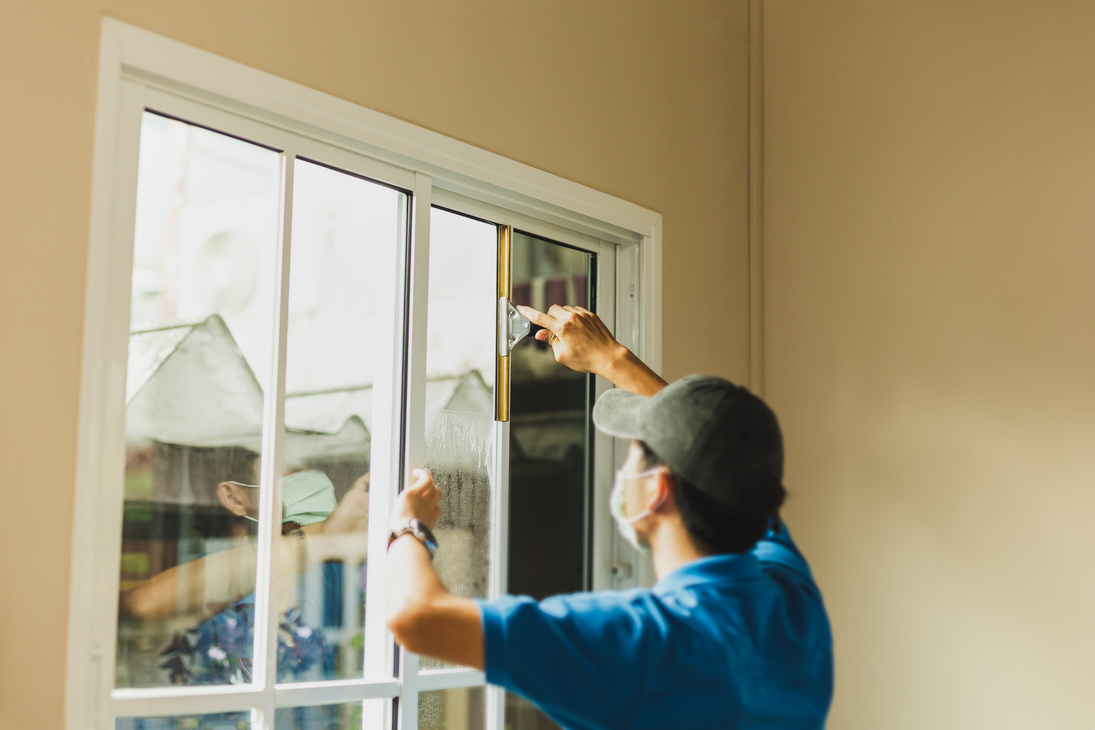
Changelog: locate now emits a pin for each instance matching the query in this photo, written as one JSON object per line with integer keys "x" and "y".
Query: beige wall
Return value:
{"x": 930, "y": 253}
{"x": 643, "y": 99}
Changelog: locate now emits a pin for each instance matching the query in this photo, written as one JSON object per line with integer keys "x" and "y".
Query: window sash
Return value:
{"x": 386, "y": 444}
{"x": 399, "y": 403}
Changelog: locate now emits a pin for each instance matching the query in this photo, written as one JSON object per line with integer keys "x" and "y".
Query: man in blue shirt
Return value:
{"x": 734, "y": 633}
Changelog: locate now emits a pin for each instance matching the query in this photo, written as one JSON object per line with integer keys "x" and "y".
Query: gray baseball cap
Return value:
{"x": 715, "y": 434}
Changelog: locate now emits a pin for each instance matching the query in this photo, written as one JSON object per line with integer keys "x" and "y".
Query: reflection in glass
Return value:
{"x": 219, "y": 721}
{"x": 550, "y": 445}
{"x": 453, "y": 709}
{"x": 200, "y": 344}
{"x": 550, "y": 430}
{"x": 459, "y": 396}
{"x": 340, "y": 222}
{"x": 334, "y": 717}
{"x": 319, "y": 717}
{"x": 463, "y": 303}
{"x": 200, "y": 352}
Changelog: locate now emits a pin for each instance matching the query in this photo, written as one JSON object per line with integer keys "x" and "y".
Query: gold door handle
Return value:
{"x": 505, "y": 291}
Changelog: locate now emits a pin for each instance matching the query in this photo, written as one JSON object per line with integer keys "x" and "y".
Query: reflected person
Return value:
{"x": 210, "y": 599}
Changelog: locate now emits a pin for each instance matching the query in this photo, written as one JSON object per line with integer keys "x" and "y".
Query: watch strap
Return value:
{"x": 420, "y": 532}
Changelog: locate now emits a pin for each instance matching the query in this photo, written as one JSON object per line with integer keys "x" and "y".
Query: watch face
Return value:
{"x": 427, "y": 538}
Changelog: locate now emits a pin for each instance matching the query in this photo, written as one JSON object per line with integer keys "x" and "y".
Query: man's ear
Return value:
{"x": 231, "y": 499}
{"x": 664, "y": 487}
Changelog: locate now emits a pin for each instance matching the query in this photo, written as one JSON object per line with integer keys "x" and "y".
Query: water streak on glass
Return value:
{"x": 453, "y": 709}
{"x": 458, "y": 455}
{"x": 459, "y": 396}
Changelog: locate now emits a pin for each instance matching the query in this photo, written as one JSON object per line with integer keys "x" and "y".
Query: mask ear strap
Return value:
{"x": 664, "y": 498}
{"x": 652, "y": 508}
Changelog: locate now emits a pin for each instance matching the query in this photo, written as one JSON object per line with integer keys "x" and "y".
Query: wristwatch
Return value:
{"x": 420, "y": 532}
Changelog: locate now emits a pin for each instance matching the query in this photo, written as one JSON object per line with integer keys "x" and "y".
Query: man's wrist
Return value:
{"x": 394, "y": 538}
{"x": 416, "y": 529}
{"x": 632, "y": 374}
{"x": 619, "y": 362}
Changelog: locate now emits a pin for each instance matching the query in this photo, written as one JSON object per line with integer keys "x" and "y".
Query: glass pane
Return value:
{"x": 459, "y": 394}
{"x": 550, "y": 445}
{"x": 200, "y": 346}
{"x": 523, "y": 715}
{"x": 453, "y": 709}
{"x": 319, "y": 717}
{"x": 340, "y": 223}
{"x": 219, "y": 721}
{"x": 351, "y": 716}
{"x": 551, "y": 431}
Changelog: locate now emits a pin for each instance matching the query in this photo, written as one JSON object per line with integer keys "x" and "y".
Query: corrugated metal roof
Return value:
{"x": 190, "y": 384}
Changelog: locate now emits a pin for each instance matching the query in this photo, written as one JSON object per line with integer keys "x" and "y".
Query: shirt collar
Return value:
{"x": 717, "y": 568}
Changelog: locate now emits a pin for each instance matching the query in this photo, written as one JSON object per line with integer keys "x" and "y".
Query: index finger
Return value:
{"x": 538, "y": 318}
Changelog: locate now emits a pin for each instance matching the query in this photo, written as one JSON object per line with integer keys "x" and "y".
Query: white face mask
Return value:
{"x": 617, "y": 505}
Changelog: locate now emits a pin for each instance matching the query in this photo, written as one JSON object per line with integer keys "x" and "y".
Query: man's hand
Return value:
{"x": 421, "y": 501}
{"x": 422, "y": 614}
{"x": 578, "y": 337}
{"x": 582, "y": 342}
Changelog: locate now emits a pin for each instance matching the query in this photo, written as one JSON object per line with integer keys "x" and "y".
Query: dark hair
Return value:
{"x": 715, "y": 527}
{"x": 205, "y": 469}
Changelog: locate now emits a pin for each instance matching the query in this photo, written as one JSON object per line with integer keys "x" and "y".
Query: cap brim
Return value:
{"x": 620, "y": 414}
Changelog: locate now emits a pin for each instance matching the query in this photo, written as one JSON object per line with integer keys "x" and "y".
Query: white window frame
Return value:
{"x": 139, "y": 69}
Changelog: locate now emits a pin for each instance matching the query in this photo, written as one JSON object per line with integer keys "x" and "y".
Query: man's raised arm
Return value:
{"x": 422, "y": 614}
{"x": 582, "y": 342}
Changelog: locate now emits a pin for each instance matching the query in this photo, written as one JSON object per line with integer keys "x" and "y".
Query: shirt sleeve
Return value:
{"x": 580, "y": 657}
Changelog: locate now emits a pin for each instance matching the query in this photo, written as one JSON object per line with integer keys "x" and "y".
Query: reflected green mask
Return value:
{"x": 306, "y": 497}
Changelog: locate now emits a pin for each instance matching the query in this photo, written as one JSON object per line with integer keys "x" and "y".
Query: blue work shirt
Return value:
{"x": 730, "y": 641}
